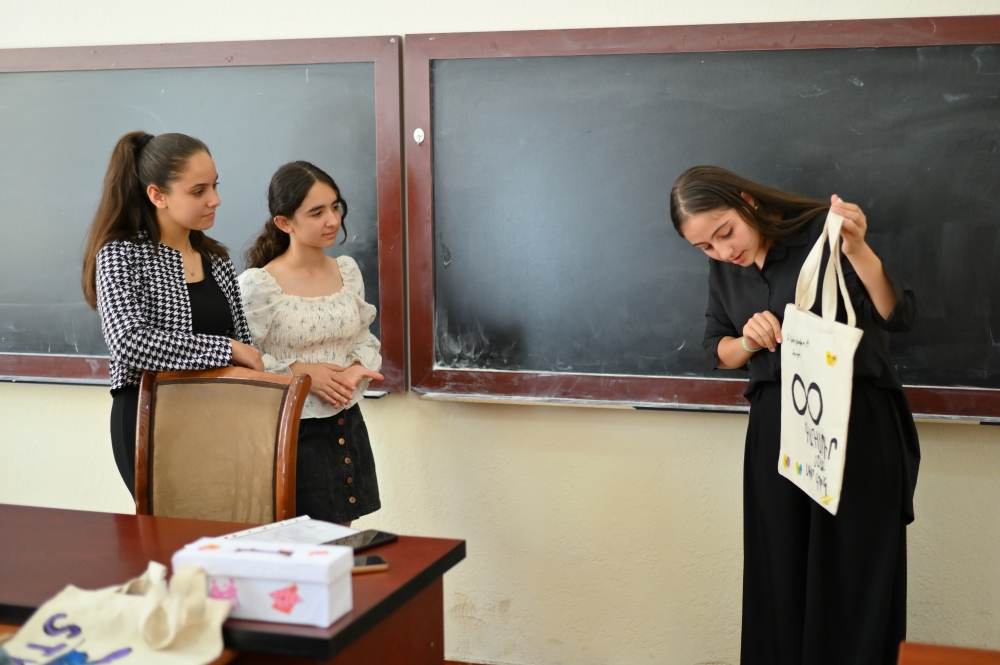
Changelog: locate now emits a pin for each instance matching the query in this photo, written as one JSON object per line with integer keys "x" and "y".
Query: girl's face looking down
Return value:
{"x": 724, "y": 235}
{"x": 192, "y": 198}
{"x": 316, "y": 222}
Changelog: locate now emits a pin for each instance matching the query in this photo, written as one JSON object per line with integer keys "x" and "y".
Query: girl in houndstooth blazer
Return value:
{"x": 167, "y": 294}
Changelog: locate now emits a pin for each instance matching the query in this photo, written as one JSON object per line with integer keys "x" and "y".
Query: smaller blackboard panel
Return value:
{"x": 553, "y": 249}
{"x": 334, "y": 102}
{"x": 62, "y": 126}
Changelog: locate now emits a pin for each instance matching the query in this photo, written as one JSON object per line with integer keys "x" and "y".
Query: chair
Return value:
{"x": 218, "y": 444}
{"x": 911, "y": 653}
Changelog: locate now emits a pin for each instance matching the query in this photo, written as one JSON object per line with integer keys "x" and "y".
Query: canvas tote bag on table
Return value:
{"x": 138, "y": 623}
{"x": 817, "y": 370}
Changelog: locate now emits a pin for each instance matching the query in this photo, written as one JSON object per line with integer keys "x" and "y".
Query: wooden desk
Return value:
{"x": 398, "y": 615}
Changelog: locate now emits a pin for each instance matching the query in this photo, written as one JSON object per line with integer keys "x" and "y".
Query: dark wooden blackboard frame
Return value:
{"x": 384, "y": 52}
{"x": 669, "y": 392}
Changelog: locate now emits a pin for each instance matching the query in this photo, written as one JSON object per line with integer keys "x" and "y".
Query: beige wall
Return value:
{"x": 594, "y": 536}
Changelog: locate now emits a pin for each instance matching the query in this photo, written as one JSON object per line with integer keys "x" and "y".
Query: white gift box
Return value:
{"x": 269, "y": 581}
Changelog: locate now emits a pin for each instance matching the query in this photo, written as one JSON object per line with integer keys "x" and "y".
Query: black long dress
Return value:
{"x": 820, "y": 589}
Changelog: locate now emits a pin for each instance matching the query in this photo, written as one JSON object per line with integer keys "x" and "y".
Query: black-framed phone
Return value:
{"x": 365, "y": 540}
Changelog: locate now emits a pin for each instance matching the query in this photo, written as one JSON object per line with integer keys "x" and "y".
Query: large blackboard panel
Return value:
{"x": 553, "y": 253}
{"x": 61, "y": 125}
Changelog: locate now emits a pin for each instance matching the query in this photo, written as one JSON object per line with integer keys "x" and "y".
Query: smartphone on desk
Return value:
{"x": 368, "y": 563}
{"x": 365, "y": 540}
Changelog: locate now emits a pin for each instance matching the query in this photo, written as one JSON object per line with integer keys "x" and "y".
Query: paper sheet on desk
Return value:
{"x": 298, "y": 530}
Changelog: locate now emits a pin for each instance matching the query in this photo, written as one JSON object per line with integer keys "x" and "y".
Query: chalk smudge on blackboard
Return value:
{"x": 445, "y": 255}
{"x": 71, "y": 339}
{"x": 856, "y": 81}
{"x": 987, "y": 59}
{"x": 814, "y": 91}
{"x": 472, "y": 348}
{"x": 954, "y": 98}
{"x": 674, "y": 352}
{"x": 927, "y": 51}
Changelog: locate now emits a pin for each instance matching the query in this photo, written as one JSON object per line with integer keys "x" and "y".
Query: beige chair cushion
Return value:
{"x": 213, "y": 448}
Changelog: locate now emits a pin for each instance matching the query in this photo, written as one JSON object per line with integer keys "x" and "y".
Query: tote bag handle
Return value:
{"x": 808, "y": 282}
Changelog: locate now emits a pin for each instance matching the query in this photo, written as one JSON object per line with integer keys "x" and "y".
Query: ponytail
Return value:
{"x": 289, "y": 187}
{"x": 139, "y": 160}
{"x": 123, "y": 211}
{"x": 269, "y": 245}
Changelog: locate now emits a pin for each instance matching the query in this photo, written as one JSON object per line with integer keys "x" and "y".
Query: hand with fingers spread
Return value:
{"x": 762, "y": 331}
{"x": 854, "y": 228}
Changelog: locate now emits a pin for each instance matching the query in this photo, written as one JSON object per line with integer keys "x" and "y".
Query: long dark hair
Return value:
{"x": 778, "y": 215}
{"x": 139, "y": 160}
{"x": 288, "y": 189}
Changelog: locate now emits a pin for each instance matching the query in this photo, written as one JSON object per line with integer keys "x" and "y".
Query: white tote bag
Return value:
{"x": 137, "y": 623}
{"x": 817, "y": 370}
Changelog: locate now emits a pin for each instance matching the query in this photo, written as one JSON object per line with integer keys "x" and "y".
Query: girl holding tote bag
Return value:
{"x": 818, "y": 588}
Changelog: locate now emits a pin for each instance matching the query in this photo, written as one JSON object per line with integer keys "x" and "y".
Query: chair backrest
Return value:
{"x": 218, "y": 444}
{"x": 911, "y": 653}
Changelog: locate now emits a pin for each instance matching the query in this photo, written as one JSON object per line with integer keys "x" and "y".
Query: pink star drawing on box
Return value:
{"x": 286, "y": 599}
{"x": 225, "y": 593}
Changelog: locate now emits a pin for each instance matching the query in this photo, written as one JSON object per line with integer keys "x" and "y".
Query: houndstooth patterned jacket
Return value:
{"x": 146, "y": 312}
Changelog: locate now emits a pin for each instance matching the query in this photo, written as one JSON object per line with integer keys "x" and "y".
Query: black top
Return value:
{"x": 736, "y": 293}
{"x": 210, "y": 312}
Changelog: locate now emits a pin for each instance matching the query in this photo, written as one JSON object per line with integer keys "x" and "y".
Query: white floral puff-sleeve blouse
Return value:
{"x": 325, "y": 329}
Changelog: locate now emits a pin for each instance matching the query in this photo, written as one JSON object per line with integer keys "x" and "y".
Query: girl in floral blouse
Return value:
{"x": 307, "y": 313}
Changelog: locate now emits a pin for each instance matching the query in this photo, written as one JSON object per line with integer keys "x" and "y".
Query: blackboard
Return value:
{"x": 315, "y": 102}
{"x": 553, "y": 251}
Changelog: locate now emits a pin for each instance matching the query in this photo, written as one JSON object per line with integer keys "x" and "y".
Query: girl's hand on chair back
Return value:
{"x": 247, "y": 356}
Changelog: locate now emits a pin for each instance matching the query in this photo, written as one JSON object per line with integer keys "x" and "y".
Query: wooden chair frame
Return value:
{"x": 296, "y": 389}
